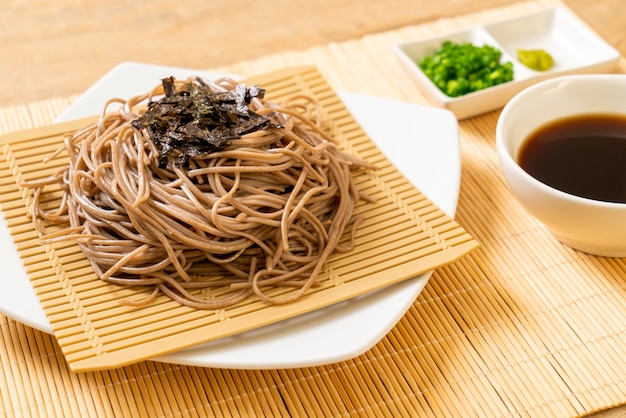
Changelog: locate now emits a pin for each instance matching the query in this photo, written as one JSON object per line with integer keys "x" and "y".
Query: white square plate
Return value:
{"x": 431, "y": 160}
{"x": 574, "y": 47}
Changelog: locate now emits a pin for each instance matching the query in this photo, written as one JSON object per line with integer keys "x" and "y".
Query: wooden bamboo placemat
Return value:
{"x": 522, "y": 326}
{"x": 403, "y": 235}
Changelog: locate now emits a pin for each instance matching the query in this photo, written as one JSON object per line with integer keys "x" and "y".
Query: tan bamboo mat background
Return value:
{"x": 522, "y": 326}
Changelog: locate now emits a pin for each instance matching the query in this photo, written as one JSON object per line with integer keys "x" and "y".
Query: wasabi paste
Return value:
{"x": 535, "y": 59}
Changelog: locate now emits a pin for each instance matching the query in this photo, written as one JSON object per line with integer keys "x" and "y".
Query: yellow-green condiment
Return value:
{"x": 536, "y": 59}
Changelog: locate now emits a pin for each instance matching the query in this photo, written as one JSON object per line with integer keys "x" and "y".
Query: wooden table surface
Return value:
{"x": 59, "y": 48}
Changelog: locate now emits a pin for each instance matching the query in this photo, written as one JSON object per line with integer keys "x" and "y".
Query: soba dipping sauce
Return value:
{"x": 583, "y": 155}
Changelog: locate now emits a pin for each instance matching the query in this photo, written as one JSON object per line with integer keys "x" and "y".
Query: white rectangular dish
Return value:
{"x": 574, "y": 47}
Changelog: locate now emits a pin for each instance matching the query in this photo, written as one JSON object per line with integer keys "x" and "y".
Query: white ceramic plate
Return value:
{"x": 421, "y": 141}
{"x": 573, "y": 46}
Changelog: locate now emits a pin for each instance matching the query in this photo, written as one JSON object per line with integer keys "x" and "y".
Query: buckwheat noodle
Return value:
{"x": 264, "y": 213}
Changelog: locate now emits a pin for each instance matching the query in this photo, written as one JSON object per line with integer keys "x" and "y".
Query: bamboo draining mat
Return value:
{"x": 522, "y": 326}
{"x": 403, "y": 235}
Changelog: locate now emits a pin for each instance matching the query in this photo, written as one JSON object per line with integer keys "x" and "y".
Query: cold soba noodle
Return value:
{"x": 250, "y": 198}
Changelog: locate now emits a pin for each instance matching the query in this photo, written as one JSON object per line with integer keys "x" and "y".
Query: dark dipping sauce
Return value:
{"x": 583, "y": 155}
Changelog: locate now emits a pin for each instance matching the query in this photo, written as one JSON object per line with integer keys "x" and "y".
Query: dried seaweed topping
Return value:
{"x": 195, "y": 120}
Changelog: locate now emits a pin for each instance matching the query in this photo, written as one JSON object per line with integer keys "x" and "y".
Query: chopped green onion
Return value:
{"x": 461, "y": 68}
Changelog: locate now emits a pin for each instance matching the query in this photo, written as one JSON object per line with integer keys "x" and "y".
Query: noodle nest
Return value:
{"x": 258, "y": 215}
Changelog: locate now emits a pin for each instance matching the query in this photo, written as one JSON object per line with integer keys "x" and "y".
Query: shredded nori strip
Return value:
{"x": 195, "y": 120}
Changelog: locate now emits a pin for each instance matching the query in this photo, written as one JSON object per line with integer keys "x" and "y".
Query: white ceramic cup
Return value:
{"x": 587, "y": 225}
